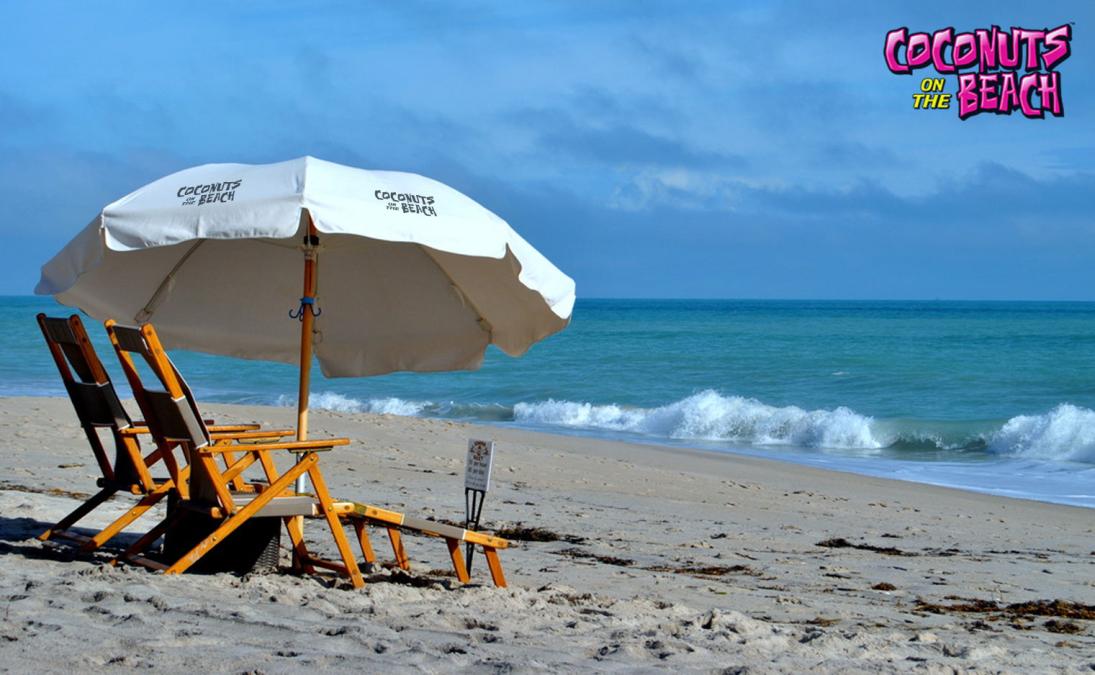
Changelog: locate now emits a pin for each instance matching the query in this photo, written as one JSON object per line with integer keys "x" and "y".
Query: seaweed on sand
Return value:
{"x": 1061, "y": 609}
{"x": 705, "y": 570}
{"x": 518, "y": 532}
{"x": 841, "y": 542}
{"x": 606, "y": 559}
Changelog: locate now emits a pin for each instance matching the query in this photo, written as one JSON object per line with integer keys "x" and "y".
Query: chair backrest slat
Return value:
{"x": 97, "y": 404}
{"x": 60, "y": 332}
{"x": 168, "y": 406}
{"x": 175, "y": 419}
{"x": 57, "y": 329}
{"x": 129, "y": 339}
{"x": 92, "y": 394}
{"x": 72, "y": 350}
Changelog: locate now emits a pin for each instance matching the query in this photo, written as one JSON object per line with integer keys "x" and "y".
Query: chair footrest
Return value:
{"x": 385, "y": 518}
{"x": 68, "y": 537}
{"x": 146, "y": 562}
{"x": 326, "y": 564}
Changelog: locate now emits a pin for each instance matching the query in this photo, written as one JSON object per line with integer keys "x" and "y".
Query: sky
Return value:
{"x": 649, "y": 149}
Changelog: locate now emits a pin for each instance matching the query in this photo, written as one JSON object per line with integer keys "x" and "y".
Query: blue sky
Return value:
{"x": 755, "y": 150}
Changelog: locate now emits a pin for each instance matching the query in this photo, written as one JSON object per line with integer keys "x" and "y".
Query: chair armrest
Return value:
{"x": 134, "y": 431}
{"x": 221, "y": 432}
{"x": 299, "y": 446}
{"x": 142, "y": 423}
{"x": 226, "y": 428}
{"x": 243, "y": 435}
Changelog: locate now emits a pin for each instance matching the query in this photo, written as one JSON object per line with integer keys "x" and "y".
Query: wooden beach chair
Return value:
{"x": 98, "y": 408}
{"x": 213, "y": 492}
{"x": 173, "y": 417}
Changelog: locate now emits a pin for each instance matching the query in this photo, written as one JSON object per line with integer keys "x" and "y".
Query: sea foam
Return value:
{"x": 1065, "y": 433}
{"x": 711, "y": 416}
{"x": 329, "y": 400}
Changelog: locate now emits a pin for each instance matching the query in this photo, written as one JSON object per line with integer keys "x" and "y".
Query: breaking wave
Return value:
{"x": 1066, "y": 433}
{"x": 710, "y": 416}
{"x": 328, "y": 400}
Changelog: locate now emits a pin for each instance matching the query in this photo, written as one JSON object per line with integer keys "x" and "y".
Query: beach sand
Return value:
{"x": 662, "y": 559}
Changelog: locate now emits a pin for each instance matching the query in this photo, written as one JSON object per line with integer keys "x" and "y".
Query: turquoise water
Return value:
{"x": 996, "y": 397}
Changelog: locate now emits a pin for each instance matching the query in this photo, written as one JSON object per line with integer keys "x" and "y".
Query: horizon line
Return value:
{"x": 746, "y": 299}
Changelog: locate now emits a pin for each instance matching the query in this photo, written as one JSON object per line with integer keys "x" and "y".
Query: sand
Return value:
{"x": 664, "y": 559}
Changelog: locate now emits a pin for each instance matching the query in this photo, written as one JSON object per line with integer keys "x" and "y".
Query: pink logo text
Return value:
{"x": 993, "y": 59}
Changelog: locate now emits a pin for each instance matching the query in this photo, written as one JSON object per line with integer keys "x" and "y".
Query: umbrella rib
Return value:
{"x": 464, "y": 299}
{"x": 158, "y": 296}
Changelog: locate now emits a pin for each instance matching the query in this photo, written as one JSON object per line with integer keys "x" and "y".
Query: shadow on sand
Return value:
{"x": 18, "y": 536}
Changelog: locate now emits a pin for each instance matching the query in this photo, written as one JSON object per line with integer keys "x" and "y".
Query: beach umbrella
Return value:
{"x": 400, "y": 272}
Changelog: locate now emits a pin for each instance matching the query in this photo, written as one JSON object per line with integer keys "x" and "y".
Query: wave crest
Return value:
{"x": 711, "y": 416}
{"x": 329, "y": 400}
{"x": 1065, "y": 433}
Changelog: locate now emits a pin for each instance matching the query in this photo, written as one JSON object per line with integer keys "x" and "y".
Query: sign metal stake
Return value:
{"x": 477, "y": 472}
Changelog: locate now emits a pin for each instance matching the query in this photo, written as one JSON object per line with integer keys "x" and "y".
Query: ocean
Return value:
{"x": 995, "y": 397}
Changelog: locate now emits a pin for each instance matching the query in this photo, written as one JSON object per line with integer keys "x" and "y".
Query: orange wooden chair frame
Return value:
{"x": 97, "y": 407}
{"x": 219, "y": 485}
{"x": 172, "y": 417}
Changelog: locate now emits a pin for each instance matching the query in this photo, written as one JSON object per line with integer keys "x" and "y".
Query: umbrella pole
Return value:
{"x": 307, "y": 322}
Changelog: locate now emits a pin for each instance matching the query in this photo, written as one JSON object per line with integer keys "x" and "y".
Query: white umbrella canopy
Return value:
{"x": 411, "y": 274}
{"x": 400, "y": 272}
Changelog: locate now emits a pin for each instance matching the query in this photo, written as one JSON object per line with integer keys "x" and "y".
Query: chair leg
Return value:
{"x": 401, "y": 558}
{"x": 495, "y": 565}
{"x": 300, "y": 550}
{"x": 79, "y": 512}
{"x": 240, "y": 517}
{"x": 294, "y": 525}
{"x": 326, "y": 504}
{"x": 127, "y": 518}
{"x": 146, "y": 540}
{"x": 458, "y": 560}
{"x": 363, "y": 539}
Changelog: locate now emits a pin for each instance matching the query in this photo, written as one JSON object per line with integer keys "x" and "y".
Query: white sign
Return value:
{"x": 480, "y": 461}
